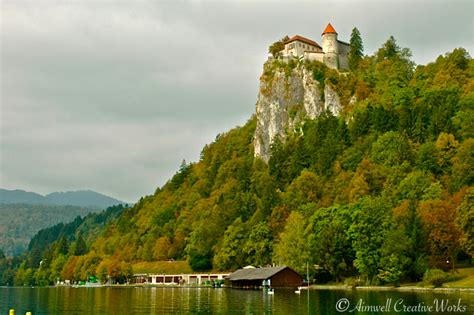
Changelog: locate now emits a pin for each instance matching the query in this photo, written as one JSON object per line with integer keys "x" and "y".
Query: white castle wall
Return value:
{"x": 331, "y": 50}
{"x": 316, "y": 56}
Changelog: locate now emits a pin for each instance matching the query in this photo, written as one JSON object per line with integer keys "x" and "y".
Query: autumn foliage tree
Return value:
{"x": 276, "y": 48}
{"x": 444, "y": 235}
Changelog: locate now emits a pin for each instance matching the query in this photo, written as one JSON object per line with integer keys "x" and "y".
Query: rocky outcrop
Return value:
{"x": 332, "y": 102}
{"x": 286, "y": 98}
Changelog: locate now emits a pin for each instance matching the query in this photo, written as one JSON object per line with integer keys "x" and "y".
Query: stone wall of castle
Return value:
{"x": 343, "y": 54}
{"x": 331, "y": 50}
{"x": 316, "y": 56}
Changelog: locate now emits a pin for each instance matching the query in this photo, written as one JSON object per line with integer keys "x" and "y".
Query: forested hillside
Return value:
{"x": 23, "y": 214}
{"x": 20, "y": 222}
{"x": 383, "y": 192}
{"x": 52, "y": 246}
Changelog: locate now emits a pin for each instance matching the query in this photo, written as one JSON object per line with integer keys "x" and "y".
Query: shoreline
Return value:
{"x": 312, "y": 287}
{"x": 385, "y": 288}
{"x": 125, "y": 286}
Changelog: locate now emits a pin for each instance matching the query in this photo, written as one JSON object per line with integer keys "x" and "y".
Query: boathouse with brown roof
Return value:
{"x": 275, "y": 277}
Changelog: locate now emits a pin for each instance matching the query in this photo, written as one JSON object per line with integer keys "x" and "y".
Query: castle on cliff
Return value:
{"x": 333, "y": 52}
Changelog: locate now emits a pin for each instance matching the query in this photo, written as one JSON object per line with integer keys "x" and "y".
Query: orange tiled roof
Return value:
{"x": 304, "y": 40}
{"x": 329, "y": 29}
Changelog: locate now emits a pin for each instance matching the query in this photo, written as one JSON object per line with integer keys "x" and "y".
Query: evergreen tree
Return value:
{"x": 389, "y": 50}
{"x": 357, "y": 49}
{"x": 81, "y": 247}
{"x": 62, "y": 245}
{"x": 35, "y": 257}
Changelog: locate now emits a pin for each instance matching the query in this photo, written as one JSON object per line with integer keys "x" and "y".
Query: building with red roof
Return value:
{"x": 333, "y": 52}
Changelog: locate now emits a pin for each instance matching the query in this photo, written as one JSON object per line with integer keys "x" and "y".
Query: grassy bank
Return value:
{"x": 162, "y": 267}
{"x": 462, "y": 278}
{"x": 465, "y": 279}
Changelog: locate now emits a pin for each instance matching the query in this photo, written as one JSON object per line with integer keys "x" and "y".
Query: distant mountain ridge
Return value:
{"x": 81, "y": 198}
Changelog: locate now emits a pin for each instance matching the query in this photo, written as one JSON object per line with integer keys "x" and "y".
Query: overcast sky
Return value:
{"x": 113, "y": 95}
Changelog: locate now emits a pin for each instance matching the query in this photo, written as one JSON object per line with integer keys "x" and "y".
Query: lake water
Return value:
{"x": 129, "y": 300}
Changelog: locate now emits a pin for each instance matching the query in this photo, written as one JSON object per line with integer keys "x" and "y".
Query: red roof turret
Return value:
{"x": 329, "y": 29}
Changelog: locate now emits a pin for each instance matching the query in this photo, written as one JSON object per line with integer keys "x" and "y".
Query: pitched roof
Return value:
{"x": 329, "y": 29}
{"x": 255, "y": 274}
{"x": 303, "y": 39}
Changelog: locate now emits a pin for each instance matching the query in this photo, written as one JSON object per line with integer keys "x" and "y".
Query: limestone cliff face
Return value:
{"x": 285, "y": 99}
{"x": 332, "y": 101}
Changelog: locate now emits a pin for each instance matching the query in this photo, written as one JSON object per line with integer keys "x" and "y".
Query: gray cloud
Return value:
{"x": 112, "y": 95}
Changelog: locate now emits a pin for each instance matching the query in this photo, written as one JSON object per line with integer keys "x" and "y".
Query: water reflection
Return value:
{"x": 128, "y": 300}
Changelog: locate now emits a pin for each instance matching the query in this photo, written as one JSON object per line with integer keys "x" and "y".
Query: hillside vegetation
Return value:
{"x": 20, "y": 222}
{"x": 382, "y": 193}
{"x": 52, "y": 246}
{"x": 23, "y": 214}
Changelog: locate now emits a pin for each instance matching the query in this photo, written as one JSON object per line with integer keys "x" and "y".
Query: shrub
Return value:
{"x": 351, "y": 282}
{"x": 276, "y": 48}
{"x": 435, "y": 277}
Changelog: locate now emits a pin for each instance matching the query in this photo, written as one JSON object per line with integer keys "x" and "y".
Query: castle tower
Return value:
{"x": 330, "y": 47}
